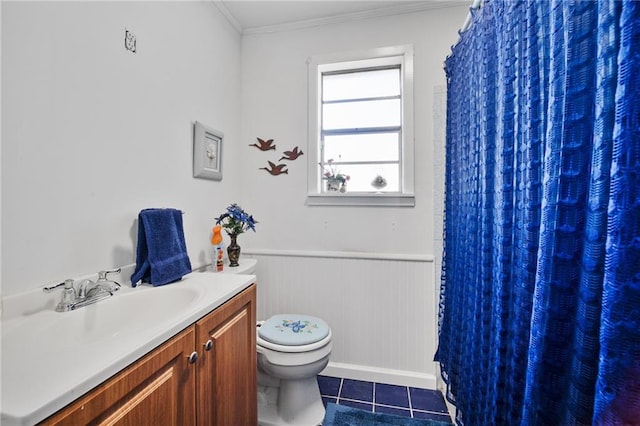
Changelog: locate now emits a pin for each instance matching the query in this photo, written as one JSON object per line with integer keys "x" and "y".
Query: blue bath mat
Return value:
{"x": 340, "y": 415}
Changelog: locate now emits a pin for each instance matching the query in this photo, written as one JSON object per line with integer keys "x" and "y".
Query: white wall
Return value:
{"x": 274, "y": 105}
{"x": 92, "y": 134}
{"x": 361, "y": 300}
{"x": 379, "y": 307}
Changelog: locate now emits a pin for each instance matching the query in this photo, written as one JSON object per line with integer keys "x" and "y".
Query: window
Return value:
{"x": 360, "y": 125}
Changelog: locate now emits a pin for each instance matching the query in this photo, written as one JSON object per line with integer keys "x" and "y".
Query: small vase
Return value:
{"x": 333, "y": 185}
{"x": 233, "y": 251}
{"x": 379, "y": 183}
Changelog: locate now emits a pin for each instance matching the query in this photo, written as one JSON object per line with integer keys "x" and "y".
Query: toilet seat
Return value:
{"x": 293, "y": 349}
{"x": 293, "y": 333}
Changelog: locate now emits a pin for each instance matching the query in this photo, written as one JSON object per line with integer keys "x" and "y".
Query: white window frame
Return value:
{"x": 402, "y": 55}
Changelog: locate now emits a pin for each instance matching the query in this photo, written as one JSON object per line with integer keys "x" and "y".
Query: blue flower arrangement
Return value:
{"x": 236, "y": 221}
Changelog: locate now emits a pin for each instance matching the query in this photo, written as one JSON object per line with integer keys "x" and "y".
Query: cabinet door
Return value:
{"x": 159, "y": 389}
{"x": 226, "y": 380}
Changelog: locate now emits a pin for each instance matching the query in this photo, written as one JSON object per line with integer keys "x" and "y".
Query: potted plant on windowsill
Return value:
{"x": 336, "y": 181}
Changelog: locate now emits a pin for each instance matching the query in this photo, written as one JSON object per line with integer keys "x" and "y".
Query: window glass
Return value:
{"x": 353, "y": 115}
{"x": 363, "y": 147}
{"x": 361, "y": 175}
{"x": 359, "y": 85}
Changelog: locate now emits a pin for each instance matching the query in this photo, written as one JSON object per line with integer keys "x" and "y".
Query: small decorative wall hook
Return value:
{"x": 129, "y": 41}
{"x": 263, "y": 145}
{"x": 292, "y": 155}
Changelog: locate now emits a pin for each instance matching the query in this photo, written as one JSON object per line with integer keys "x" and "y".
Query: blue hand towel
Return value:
{"x": 161, "y": 255}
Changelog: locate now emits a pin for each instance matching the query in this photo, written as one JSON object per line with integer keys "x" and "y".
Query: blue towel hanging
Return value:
{"x": 161, "y": 255}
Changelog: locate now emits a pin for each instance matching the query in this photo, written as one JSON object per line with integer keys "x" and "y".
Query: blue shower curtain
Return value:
{"x": 540, "y": 294}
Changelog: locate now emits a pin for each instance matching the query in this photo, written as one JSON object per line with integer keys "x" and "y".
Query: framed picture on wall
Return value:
{"x": 207, "y": 152}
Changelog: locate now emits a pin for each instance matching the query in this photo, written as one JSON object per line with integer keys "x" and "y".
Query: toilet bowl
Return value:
{"x": 292, "y": 350}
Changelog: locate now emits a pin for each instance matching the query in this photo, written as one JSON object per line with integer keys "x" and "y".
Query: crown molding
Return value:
{"x": 228, "y": 16}
{"x": 346, "y": 17}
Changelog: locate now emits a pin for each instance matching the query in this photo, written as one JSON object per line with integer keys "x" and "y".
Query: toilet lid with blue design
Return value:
{"x": 293, "y": 330}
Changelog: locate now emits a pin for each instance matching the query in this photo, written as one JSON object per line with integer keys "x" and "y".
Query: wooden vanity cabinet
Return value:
{"x": 226, "y": 379}
{"x": 165, "y": 388}
{"x": 158, "y": 389}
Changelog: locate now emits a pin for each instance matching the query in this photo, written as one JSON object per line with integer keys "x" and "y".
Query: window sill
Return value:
{"x": 362, "y": 199}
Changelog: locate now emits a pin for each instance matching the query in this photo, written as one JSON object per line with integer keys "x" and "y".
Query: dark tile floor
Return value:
{"x": 383, "y": 398}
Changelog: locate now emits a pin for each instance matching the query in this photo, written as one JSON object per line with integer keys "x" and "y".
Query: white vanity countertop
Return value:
{"x": 50, "y": 358}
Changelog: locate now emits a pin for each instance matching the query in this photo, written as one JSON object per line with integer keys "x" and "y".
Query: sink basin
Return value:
{"x": 135, "y": 311}
{"x": 51, "y": 358}
{"x": 127, "y": 312}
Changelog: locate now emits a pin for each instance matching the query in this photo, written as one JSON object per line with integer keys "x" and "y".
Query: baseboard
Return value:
{"x": 380, "y": 375}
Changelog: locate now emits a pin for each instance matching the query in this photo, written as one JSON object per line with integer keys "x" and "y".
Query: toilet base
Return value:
{"x": 298, "y": 403}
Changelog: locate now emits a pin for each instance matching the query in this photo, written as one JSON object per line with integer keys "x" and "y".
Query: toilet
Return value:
{"x": 292, "y": 350}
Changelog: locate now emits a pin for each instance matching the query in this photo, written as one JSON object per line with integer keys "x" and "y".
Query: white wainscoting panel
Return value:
{"x": 382, "y": 308}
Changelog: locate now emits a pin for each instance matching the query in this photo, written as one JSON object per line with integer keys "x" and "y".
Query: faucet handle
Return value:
{"x": 102, "y": 275}
{"x": 68, "y": 295}
{"x": 68, "y": 284}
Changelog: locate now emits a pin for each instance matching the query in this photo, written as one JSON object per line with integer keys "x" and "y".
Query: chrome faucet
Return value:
{"x": 88, "y": 289}
{"x": 87, "y": 293}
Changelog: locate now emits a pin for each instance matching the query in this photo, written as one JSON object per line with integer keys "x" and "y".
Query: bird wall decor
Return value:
{"x": 292, "y": 155}
{"x": 263, "y": 145}
{"x": 275, "y": 170}
{"x": 279, "y": 169}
